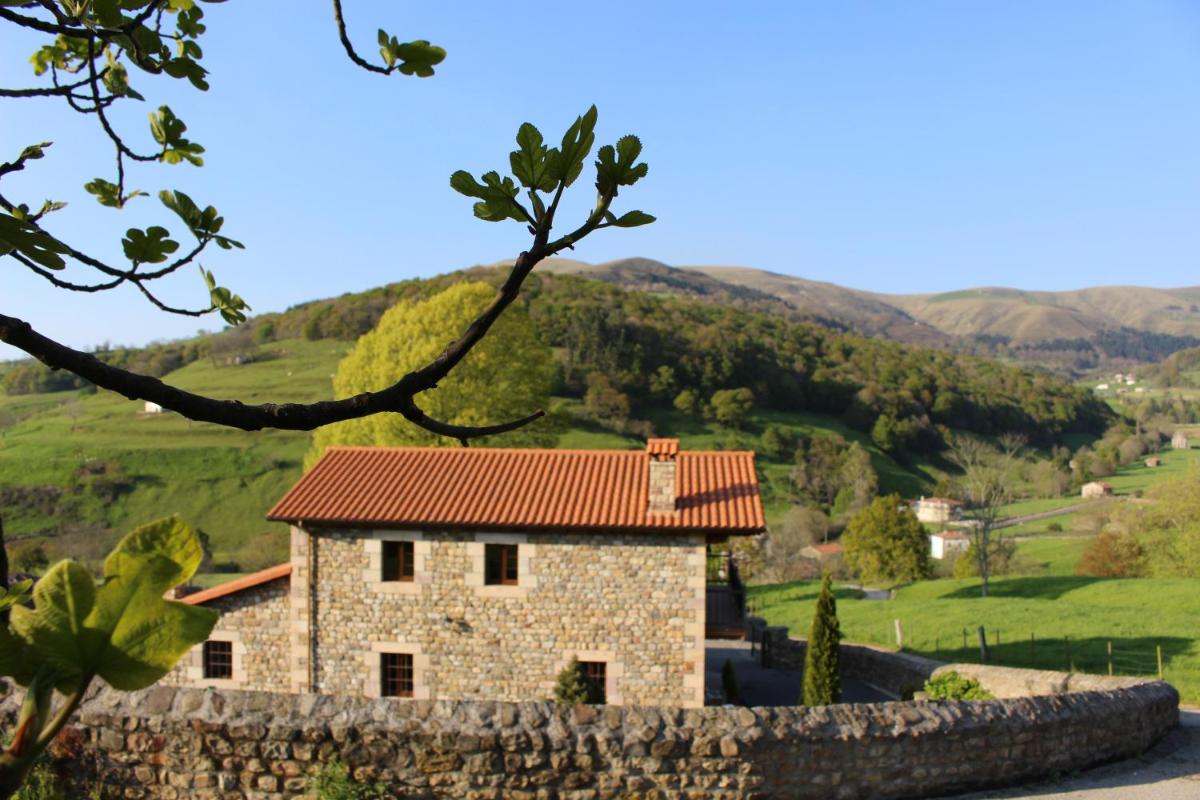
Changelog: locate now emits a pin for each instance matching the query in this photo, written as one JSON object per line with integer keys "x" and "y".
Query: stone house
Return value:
{"x": 1096, "y": 489}
{"x": 1180, "y": 441}
{"x": 937, "y": 509}
{"x": 822, "y": 551}
{"x": 1153, "y": 461}
{"x": 479, "y": 573}
{"x": 944, "y": 543}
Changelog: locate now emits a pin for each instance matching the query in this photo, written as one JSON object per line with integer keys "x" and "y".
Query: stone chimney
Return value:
{"x": 662, "y": 454}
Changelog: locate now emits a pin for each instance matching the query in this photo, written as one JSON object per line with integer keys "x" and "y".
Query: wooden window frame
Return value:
{"x": 507, "y": 570}
{"x": 397, "y": 675}
{"x": 597, "y": 673}
{"x": 399, "y": 565}
{"x": 217, "y": 666}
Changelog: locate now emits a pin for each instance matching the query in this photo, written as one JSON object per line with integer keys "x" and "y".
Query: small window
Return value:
{"x": 218, "y": 660}
{"x": 596, "y": 674}
{"x": 397, "y": 561}
{"x": 396, "y": 675}
{"x": 501, "y": 565}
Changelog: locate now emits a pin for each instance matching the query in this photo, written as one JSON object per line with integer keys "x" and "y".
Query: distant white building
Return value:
{"x": 152, "y": 408}
{"x": 1180, "y": 441}
{"x": 1096, "y": 489}
{"x": 937, "y": 509}
{"x": 1101, "y": 387}
{"x": 944, "y": 543}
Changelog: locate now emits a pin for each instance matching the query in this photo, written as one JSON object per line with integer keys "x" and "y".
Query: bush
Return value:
{"x": 333, "y": 782}
{"x": 574, "y": 688}
{"x": 1055, "y": 527}
{"x": 1113, "y": 555}
{"x": 952, "y": 686}
{"x": 730, "y": 684}
{"x": 822, "y": 667}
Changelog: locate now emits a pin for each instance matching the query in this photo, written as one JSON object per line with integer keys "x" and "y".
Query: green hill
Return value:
{"x": 78, "y": 468}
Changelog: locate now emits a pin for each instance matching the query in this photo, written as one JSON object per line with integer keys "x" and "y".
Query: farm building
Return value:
{"x": 456, "y": 573}
{"x": 937, "y": 509}
{"x": 822, "y": 552}
{"x": 944, "y": 543}
{"x": 1153, "y": 461}
{"x": 1180, "y": 441}
{"x": 1096, "y": 489}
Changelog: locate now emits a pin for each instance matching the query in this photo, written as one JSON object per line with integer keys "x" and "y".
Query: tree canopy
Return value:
{"x": 885, "y": 543}
{"x": 508, "y": 372}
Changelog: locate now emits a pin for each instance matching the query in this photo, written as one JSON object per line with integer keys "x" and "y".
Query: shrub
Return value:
{"x": 1055, "y": 527}
{"x": 952, "y": 686}
{"x": 333, "y": 782}
{"x": 730, "y": 684}
{"x": 822, "y": 668}
{"x": 1113, "y": 555}
{"x": 573, "y": 687}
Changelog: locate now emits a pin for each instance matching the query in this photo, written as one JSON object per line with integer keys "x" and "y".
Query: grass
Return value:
{"x": 1039, "y": 621}
{"x": 1037, "y": 505}
{"x": 1137, "y": 476}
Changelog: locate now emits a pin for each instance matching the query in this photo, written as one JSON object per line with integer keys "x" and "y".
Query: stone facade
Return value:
{"x": 167, "y": 744}
{"x": 634, "y": 602}
{"x": 255, "y": 621}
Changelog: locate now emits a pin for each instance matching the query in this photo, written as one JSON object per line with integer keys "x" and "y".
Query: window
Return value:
{"x": 397, "y": 561}
{"x": 396, "y": 675}
{"x": 218, "y": 660}
{"x": 500, "y": 565}
{"x": 596, "y": 673}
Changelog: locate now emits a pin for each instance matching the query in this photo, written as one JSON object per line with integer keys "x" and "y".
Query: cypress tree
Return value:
{"x": 822, "y": 673}
{"x": 573, "y": 687}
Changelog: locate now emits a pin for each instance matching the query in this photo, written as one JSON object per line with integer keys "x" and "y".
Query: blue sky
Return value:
{"x": 891, "y": 146}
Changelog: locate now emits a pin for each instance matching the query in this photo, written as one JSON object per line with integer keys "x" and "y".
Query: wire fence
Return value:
{"x": 1140, "y": 657}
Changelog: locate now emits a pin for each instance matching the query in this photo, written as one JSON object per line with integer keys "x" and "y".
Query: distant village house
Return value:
{"x": 1180, "y": 441}
{"x": 1153, "y": 461}
{"x": 1096, "y": 489}
{"x": 822, "y": 552}
{"x": 944, "y": 543}
{"x": 937, "y": 509}
{"x": 456, "y": 573}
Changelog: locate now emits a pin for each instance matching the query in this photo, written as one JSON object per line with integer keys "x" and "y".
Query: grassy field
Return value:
{"x": 80, "y": 469}
{"x": 1039, "y": 621}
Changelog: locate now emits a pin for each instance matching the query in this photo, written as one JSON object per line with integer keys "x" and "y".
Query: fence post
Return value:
{"x": 899, "y": 636}
{"x": 983, "y": 648}
{"x": 1032, "y": 651}
{"x": 1070, "y": 664}
{"x": 1110, "y": 670}
{"x": 1158, "y": 649}
{"x": 964, "y": 641}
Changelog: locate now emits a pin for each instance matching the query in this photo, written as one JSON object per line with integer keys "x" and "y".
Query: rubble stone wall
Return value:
{"x": 168, "y": 743}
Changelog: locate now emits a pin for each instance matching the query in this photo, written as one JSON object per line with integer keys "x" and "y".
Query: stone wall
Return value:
{"x": 635, "y": 602}
{"x": 255, "y": 620}
{"x": 168, "y": 743}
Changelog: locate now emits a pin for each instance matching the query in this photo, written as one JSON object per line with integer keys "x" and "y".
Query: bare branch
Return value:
{"x": 340, "y": 21}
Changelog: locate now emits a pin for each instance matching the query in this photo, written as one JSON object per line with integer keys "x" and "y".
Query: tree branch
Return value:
{"x": 340, "y": 21}
{"x": 398, "y": 398}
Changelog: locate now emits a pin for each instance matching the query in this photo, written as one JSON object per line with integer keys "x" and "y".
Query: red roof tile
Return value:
{"x": 662, "y": 447}
{"x": 951, "y": 535}
{"x": 828, "y": 549}
{"x": 240, "y": 584}
{"x": 507, "y": 489}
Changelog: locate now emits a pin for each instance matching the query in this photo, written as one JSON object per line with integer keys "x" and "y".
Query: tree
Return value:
{"x": 730, "y": 406}
{"x": 800, "y": 527}
{"x": 687, "y": 402}
{"x": 603, "y": 401}
{"x": 885, "y": 543}
{"x": 822, "y": 667}
{"x": 574, "y": 687}
{"x": 986, "y": 486}
{"x": 1113, "y": 555}
{"x": 94, "y": 53}
{"x": 509, "y": 371}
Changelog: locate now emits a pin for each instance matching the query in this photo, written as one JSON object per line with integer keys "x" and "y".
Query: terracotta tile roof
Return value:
{"x": 662, "y": 447}
{"x": 827, "y": 549}
{"x": 512, "y": 489}
{"x": 241, "y": 584}
{"x": 951, "y": 535}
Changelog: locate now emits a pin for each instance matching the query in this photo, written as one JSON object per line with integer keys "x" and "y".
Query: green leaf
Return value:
{"x": 497, "y": 195}
{"x": 22, "y": 237}
{"x": 416, "y": 58}
{"x": 566, "y": 163}
{"x": 168, "y": 131}
{"x": 529, "y": 162}
{"x": 151, "y": 246}
{"x": 633, "y": 219}
{"x": 230, "y": 306}
{"x": 615, "y": 167}
{"x": 55, "y": 628}
{"x": 106, "y": 192}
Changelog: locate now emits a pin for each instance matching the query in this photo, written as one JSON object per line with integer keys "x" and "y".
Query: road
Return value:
{"x": 1169, "y": 771}
{"x": 1054, "y": 512}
